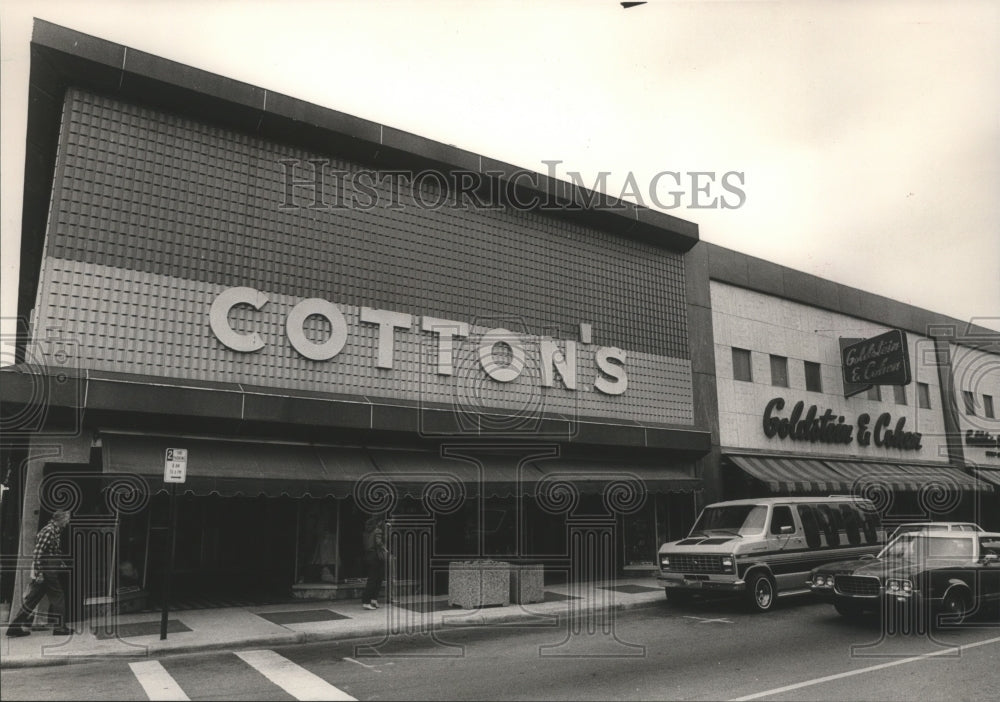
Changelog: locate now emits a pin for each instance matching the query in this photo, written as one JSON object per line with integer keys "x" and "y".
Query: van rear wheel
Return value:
{"x": 760, "y": 592}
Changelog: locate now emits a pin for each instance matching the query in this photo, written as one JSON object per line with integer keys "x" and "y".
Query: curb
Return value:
{"x": 306, "y": 637}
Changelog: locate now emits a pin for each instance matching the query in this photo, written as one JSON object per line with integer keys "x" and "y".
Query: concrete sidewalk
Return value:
{"x": 134, "y": 636}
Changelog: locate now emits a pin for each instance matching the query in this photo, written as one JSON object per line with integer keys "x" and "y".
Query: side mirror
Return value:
{"x": 787, "y": 529}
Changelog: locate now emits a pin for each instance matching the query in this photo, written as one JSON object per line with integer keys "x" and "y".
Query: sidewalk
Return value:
{"x": 135, "y": 636}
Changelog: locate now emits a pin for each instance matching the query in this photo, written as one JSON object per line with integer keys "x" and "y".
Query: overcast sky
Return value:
{"x": 861, "y": 139}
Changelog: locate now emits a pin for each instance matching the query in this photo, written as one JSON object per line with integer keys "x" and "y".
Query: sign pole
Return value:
{"x": 170, "y": 564}
{"x": 174, "y": 471}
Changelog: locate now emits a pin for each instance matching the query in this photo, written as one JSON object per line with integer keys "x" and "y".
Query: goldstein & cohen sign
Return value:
{"x": 985, "y": 440}
{"x": 829, "y": 428}
{"x": 501, "y": 353}
{"x": 880, "y": 360}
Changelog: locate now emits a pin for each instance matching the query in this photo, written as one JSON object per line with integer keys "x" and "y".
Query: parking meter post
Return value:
{"x": 170, "y": 563}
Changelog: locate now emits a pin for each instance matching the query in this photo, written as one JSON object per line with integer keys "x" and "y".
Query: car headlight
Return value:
{"x": 822, "y": 580}
{"x": 665, "y": 561}
{"x": 727, "y": 563}
{"x": 893, "y": 586}
{"x": 907, "y": 586}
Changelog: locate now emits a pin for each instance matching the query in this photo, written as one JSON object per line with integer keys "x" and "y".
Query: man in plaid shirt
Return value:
{"x": 45, "y": 578}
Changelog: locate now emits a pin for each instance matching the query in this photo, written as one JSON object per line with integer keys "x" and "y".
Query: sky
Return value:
{"x": 857, "y": 141}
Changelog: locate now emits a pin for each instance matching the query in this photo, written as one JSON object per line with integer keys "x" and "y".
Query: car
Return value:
{"x": 763, "y": 549}
{"x": 932, "y": 571}
{"x": 933, "y": 526}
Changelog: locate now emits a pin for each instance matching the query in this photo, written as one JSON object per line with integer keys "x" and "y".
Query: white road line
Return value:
{"x": 291, "y": 677}
{"x": 702, "y": 620}
{"x": 945, "y": 651}
{"x": 156, "y": 681}
{"x": 364, "y": 665}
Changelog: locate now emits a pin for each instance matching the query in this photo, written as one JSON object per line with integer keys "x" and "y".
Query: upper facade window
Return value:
{"x": 814, "y": 380}
{"x": 779, "y": 371}
{"x": 874, "y": 393}
{"x": 923, "y": 395}
{"x": 741, "y": 365}
{"x": 988, "y": 407}
{"x": 899, "y": 394}
{"x": 970, "y": 403}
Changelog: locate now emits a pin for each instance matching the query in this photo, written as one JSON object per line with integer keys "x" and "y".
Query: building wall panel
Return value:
{"x": 156, "y": 214}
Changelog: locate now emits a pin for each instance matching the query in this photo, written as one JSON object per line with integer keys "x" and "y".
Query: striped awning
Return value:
{"x": 786, "y": 474}
{"x": 864, "y": 476}
{"x": 790, "y": 474}
{"x": 945, "y": 477}
{"x": 987, "y": 475}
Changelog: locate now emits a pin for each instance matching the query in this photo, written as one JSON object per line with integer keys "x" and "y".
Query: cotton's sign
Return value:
{"x": 501, "y": 353}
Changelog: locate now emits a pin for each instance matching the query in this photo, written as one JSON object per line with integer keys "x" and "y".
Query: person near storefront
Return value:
{"x": 45, "y": 565}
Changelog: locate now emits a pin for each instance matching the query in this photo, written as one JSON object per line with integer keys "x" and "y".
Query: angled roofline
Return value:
{"x": 62, "y": 57}
{"x": 757, "y": 274}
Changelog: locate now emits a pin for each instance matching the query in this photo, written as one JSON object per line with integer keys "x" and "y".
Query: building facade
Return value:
{"x": 790, "y": 422}
{"x": 314, "y": 318}
{"x": 326, "y": 318}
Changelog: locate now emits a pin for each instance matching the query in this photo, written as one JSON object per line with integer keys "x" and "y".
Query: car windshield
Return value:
{"x": 915, "y": 546}
{"x": 736, "y": 519}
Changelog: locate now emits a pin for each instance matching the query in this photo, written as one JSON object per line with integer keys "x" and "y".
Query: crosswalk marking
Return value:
{"x": 291, "y": 677}
{"x": 156, "y": 681}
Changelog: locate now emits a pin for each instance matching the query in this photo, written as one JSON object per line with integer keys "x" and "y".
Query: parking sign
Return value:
{"x": 175, "y": 465}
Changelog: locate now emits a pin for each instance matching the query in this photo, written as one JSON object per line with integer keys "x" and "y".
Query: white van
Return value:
{"x": 766, "y": 547}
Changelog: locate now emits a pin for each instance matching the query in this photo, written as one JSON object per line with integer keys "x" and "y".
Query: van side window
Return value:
{"x": 831, "y": 526}
{"x": 781, "y": 517}
{"x": 810, "y": 525}
{"x": 871, "y": 527}
{"x": 852, "y": 523}
{"x": 989, "y": 546}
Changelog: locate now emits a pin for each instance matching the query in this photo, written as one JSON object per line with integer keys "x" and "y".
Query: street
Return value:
{"x": 802, "y": 650}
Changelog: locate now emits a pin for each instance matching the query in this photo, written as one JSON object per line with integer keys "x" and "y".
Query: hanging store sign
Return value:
{"x": 828, "y": 428}
{"x": 984, "y": 440}
{"x": 880, "y": 360}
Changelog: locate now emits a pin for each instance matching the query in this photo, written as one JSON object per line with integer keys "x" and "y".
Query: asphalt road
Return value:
{"x": 801, "y": 651}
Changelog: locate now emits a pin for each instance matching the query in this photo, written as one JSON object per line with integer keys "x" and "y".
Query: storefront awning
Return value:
{"x": 783, "y": 474}
{"x": 599, "y": 476}
{"x": 795, "y": 475}
{"x": 245, "y": 468}
{"x": 989, "y": 476}
{"x": 490, "y": 475}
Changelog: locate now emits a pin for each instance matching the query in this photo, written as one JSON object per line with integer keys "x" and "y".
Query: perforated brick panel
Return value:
{"x": 154, "y": 215}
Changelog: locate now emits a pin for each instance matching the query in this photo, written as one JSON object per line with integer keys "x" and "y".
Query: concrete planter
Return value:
{"x": 474, "y": 584}
{"x": 527, "y": 584}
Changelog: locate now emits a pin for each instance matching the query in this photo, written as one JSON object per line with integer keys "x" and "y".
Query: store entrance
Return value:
{"x": 228, "y": 548}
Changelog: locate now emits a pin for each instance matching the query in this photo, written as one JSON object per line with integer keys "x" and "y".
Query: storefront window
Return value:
{"x": 640, "y": 537}
{"x": 319, "y": 552}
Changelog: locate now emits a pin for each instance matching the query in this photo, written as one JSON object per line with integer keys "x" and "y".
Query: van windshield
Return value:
{"x": 733, "y": 519}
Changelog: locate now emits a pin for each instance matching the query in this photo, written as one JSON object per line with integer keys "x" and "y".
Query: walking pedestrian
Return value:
{"x": 375, "y": 556}
{"x": 45, "y": 578}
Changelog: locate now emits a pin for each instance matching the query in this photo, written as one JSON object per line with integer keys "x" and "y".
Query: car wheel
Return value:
{"x": 678, "y": 597}
{"x": 956, "y": 606}
{"x": 848, "y": 609}
{"x": 760, "y": 592}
